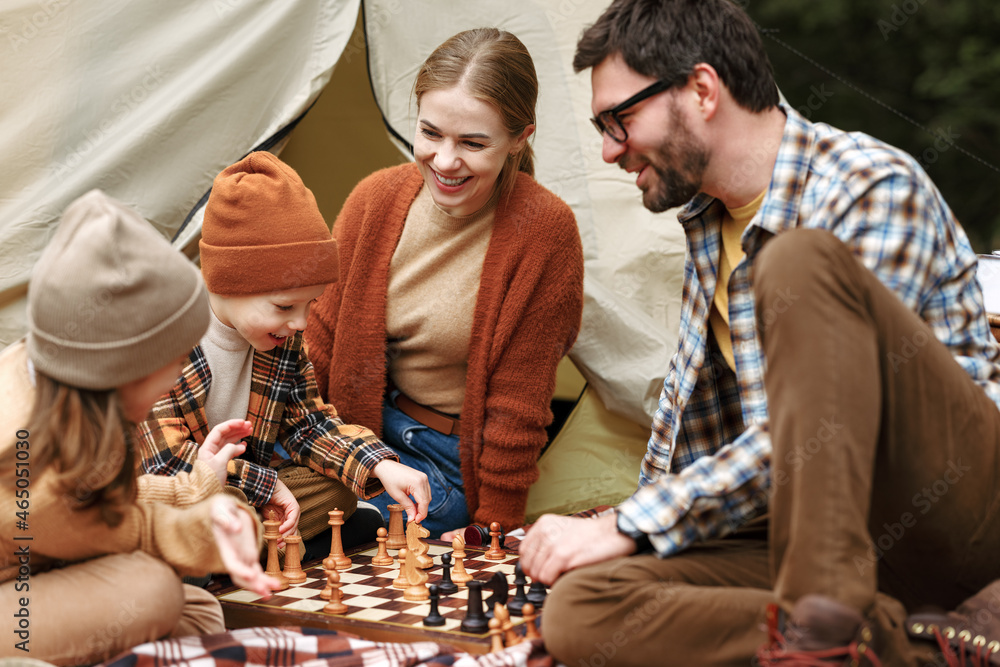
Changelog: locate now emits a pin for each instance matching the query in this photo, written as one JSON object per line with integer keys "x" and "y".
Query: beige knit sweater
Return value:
{"x": 170, "y": 521}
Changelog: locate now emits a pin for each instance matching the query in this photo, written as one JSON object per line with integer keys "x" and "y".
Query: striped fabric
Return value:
{"x": 309, "y": 647}
{"x": 706, "y": 468}
{"x": 285, "y": 407}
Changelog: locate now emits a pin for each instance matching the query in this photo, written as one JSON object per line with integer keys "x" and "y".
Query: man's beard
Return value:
{"x": 675, "y": 187}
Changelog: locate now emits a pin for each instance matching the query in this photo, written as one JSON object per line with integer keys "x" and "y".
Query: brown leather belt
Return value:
{"x": 435, "y": 419}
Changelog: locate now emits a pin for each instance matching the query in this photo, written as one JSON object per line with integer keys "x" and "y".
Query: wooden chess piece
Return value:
{"x": 327, "y": 591}
{"x": 531, "y": 630}
{"x": 417, "y": 578}
{"x": 536, "y": 594}
{"x": 475, "y": 620}
{"x": 497, "y": 584}
{"x": 337, "y": 557}
{"x": 495, "y": 552}
{"x": 293, "y": 565}
{"x": 458, "y": 573}
{"x": 510, "y": 637}
{"x": 516, "y": 603}
{"x": 434, "y": 619}
{"x": 271, "y": 535}
{"x": 382, "y": 558}
{"x": 336, "y": 605}
{"x": 401, "y": 581}
{"x": 415, "y": 544}
{"x": 446, "y": 585}
{"x": 496, "y": 640}
{"x": 397, "y": 527}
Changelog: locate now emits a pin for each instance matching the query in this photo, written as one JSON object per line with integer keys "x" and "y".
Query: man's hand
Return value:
{"x": 401, "y": 482}
{"x": 223, "y": 444}
{"x": 556, "y": 544}
{"x": 236, "y": 539}
{"x": 282, "y": 505}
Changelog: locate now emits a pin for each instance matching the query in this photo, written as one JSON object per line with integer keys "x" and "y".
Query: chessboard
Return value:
{"x": 376, "y": 610}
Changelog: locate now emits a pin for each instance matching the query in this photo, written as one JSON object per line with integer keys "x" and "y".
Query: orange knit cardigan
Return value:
{"x": 526, "y": 318}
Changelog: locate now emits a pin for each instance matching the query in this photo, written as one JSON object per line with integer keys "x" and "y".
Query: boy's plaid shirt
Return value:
{"x": 706, "y": 469}
{"x": 285, "y": 407}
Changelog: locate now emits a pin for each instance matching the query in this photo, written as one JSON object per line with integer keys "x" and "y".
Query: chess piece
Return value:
{"x": 417, "y": 578}
{"x": 416, "y": 545}
{"x": 510, "y": 637}
{"x": 401, "y": 581}
{"x": 536, "y": 594}
{"x": 458, "y": 573}
{"x": 498, "y": 585}
{"x": 337, "y": 557}
{"x": 336, "y": 605}
{"x": 434, "y": 619}
{"x": 475, "y": 620}
{"x": 516, "y": 603}
{"x": 397, "y": 527}
{"x": 531, "y": 630}
{"x": 327, "y": 591}
{"x": 446, "y": 585}
{"x": 293, "y": 566}
{"x": 495, "y": 552}
{"x": 496, "y": 640}
{"x": 271, "y": 535}
{"x": 382, "y": 558}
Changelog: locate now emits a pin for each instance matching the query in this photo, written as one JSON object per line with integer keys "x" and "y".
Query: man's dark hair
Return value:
{"x": 665, "y": 39}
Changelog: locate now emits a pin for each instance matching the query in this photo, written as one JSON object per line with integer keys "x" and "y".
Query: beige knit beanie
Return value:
{"x": 263, "y": 231}
{"x": 110, "y": 301}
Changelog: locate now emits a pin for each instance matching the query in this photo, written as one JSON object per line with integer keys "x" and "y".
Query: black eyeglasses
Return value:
{"x": 608, "y": 122}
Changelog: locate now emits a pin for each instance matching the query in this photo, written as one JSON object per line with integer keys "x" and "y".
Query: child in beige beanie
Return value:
{"x": 266, "y": 255}
{"x": 112, "y": 312}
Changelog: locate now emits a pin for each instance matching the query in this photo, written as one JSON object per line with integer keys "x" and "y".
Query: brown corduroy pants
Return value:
{"x": 93, "y": 610}
{"x": 885, "y": 478}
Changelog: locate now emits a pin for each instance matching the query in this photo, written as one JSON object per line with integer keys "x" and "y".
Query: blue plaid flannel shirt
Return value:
{"x": 706, "y": 470}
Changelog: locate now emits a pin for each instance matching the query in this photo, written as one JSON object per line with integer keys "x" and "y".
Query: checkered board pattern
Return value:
{"x": 369, "y": 595}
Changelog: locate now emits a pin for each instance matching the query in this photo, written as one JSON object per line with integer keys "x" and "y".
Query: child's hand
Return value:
{"x": 235, "y": 537}
{"x": 401, "y": 482}
{"x": 284, "y": 505}
{"x": 222, "y": 445}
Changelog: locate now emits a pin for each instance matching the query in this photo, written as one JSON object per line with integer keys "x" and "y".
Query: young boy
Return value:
{"x": 266, "y": 254}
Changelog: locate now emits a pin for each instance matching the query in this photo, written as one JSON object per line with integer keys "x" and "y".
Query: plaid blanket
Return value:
{"x": 310, "y": 647}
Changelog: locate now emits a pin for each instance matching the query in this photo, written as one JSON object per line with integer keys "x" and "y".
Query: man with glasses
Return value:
{"x": 826, "y": 454}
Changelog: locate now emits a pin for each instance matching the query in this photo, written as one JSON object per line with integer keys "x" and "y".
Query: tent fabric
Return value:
{"x": 633, "y": 259}
{"x": 147, "y": 101}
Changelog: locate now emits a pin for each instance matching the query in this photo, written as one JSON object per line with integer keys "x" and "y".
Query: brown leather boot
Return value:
{"x": 820, "y": 632}
{"x": 969, "y": 635}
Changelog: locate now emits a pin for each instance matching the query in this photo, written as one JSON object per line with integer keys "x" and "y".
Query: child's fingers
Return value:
{"x": 232, "y": 450}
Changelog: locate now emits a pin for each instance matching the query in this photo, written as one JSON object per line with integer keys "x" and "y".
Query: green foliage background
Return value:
{"x": 922, "y": 75}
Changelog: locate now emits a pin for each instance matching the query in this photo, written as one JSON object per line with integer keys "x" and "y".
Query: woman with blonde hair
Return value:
{"x": 461, "y": 288}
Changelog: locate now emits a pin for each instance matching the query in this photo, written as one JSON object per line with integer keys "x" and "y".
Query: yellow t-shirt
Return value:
{"x": 733, "y": 223}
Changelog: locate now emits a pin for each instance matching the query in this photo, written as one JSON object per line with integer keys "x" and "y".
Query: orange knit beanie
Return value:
{"x": 263, "y": 231}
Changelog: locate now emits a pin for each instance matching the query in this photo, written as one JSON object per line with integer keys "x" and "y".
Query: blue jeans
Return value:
{"x": 436, "y": 455}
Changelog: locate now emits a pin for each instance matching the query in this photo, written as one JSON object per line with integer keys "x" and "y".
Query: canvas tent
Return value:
{"x": 148, "y": 101}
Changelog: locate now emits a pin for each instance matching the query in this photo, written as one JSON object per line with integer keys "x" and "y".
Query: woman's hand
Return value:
{"x": 223, "y": 444}
{"x": 401, "y": 482}
{"x": 235, "y": 535}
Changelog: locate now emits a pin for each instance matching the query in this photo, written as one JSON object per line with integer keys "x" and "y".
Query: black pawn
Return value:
{"x": 516, "y": 603}
{"x": 475, "y": 620}
{"x": 434, "y": 619}
{"x": 536, "y": 594}
{"x": 446, "y": 585}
